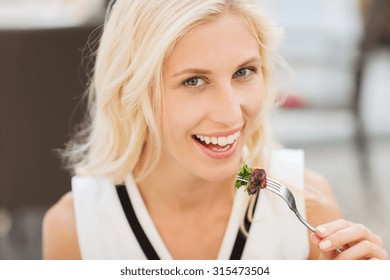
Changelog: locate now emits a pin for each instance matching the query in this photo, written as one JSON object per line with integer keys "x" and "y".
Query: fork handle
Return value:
{"x": 303, "y": 221}
{"x": 311, "y": 228}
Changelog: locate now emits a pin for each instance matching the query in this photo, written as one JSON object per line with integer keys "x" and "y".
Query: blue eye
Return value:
{"x": 194, "y": 82}
{"x": 244, "y": 72}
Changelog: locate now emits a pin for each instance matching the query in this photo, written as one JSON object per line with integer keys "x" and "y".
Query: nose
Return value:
{"x": 226, "y": 106}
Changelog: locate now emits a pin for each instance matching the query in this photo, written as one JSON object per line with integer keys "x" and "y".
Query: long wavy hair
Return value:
{"x": 122, "y": 128}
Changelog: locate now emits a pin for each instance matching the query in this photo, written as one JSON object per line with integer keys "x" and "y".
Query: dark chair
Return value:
{"x": 41, "y": 81}
{"x": 376, "y": 16}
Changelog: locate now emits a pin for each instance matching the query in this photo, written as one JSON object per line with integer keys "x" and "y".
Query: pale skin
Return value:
{"x": 213, "y": 77}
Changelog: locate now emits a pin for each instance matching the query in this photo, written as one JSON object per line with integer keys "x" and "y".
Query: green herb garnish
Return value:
{"x": 252, "y": 179}
{"x": 244, "y": 174}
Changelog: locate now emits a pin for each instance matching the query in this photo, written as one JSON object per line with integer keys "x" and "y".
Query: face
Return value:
{"x": 212, "y": 92}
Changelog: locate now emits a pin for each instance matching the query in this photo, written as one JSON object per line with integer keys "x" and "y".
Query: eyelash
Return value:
{"x": 185, "y": 83}
{"x": 252, "y": 70}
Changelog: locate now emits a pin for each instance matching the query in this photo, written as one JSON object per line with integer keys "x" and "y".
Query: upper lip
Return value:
{"x": 219, "y": 133}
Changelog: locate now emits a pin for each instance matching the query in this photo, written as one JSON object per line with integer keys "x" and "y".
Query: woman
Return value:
{"x": 179, "y": 101}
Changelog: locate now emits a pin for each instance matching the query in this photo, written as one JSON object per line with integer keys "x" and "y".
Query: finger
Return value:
{"x": 324, "y": 255}
{"x": 315, "y": 239}
{"x": 325, "y": 230}
{"x": 364, "y": 250}
{"x": 348, "y": 237}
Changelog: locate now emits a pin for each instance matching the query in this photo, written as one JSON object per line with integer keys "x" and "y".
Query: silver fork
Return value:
{"x": 282, "y": 191}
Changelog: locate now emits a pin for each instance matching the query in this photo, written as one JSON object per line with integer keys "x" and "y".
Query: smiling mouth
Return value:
{"x": 217, "y": 144}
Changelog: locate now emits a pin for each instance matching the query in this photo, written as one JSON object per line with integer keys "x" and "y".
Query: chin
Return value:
{"x": 221, "y": 172}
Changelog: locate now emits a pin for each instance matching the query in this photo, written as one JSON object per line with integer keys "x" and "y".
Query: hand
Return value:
{"x": 357, "y": 241}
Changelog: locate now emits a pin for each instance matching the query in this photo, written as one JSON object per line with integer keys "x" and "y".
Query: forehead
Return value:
{"x": 227, "y": 39}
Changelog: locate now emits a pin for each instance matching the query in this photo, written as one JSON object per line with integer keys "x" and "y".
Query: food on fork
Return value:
{"x": 253, "y": 179}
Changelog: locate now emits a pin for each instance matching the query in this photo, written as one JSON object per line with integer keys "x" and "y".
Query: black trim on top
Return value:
{"x": 239, "y": 244}
{"x": 139, "y": 233}
{"x": 144, "y": 242}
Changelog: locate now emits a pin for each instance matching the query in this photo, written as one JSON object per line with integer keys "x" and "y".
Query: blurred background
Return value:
{"x": 336, "y": 105}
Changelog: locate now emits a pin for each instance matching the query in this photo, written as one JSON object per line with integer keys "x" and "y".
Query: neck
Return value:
{"x": 181, "y": 191}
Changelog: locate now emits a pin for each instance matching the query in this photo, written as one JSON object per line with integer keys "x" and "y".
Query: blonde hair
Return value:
{"x": 122, "y": 130}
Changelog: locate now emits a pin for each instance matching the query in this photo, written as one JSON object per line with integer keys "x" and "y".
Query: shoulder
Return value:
{"x": 59, "y": 231}
{"x": 318, "y": 192}
{"x": 321, "y": 203}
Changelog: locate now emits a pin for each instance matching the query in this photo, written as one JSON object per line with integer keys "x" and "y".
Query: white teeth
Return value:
{"x": 221, "y": 141}
{"x": 221, "y": 149}
{"x": 230, "y": 139}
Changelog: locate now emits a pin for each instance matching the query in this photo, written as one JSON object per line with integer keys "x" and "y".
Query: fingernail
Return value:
{"x": 321, "y": 230}
{"x": 325, "y": 244}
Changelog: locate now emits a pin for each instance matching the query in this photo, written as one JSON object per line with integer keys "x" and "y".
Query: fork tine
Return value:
{"x": 242, "y": 180}
{"x": 282, "y": 191}
{"x": 273, "y": 181}
{"x": 270, "y": 183}
{"x": 273, "y": 189}
{"x": 276, "y": 186}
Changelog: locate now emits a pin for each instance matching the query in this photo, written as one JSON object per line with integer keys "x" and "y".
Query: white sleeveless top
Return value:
{"x": 104, "y": 232}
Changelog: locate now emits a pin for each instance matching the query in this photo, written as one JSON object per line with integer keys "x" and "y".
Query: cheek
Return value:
{"x": 256, "y": 103}
{"x": 253, "y": 102}
{"x": 179, "y": 118}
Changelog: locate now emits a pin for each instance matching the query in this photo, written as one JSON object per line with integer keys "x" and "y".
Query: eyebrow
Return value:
{"x": 191, "y": 71}
{"x": 250, "y": 60}
{"x": 206, "y": 72}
